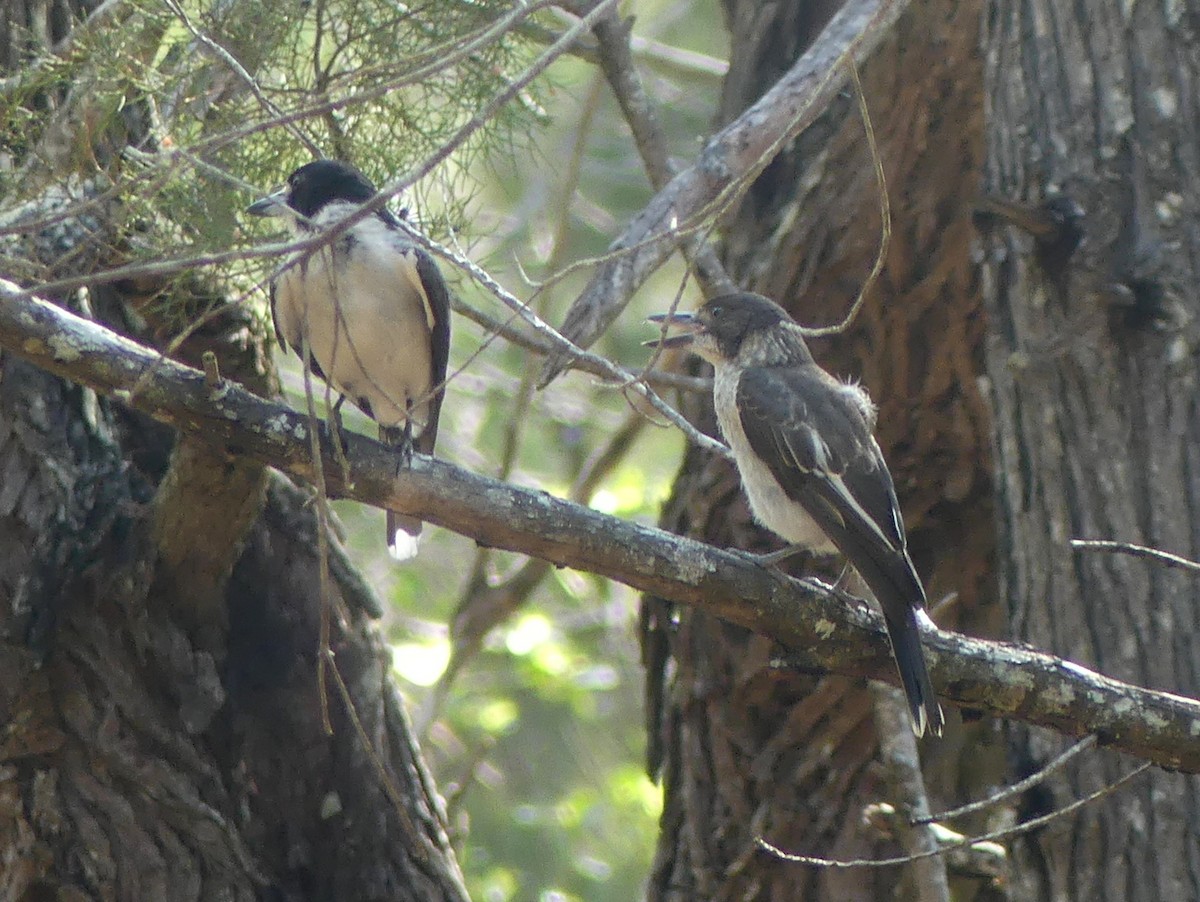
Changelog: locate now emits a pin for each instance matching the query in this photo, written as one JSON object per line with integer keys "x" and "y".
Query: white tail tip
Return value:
{"x": 925, "y": 622}
{"x": 403, "y": 547}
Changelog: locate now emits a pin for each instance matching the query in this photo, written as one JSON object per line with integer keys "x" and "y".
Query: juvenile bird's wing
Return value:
{"x": 816, "y": 439}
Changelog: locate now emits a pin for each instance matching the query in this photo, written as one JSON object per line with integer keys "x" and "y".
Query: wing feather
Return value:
{"x": 813, "y": 435}
{"x": 437, "y": 310}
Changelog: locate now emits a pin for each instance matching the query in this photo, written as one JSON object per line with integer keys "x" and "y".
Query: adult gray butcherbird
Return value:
{"x": 371, "y": 308}
{"x": 810, "y": 465}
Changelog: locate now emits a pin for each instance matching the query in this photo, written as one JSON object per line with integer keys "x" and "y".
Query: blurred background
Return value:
{"x": 535, "y": 729}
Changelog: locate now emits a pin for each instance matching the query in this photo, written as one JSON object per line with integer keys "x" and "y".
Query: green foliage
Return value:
{"x": 379, "y": 83}
{"x": 538, "y": 742}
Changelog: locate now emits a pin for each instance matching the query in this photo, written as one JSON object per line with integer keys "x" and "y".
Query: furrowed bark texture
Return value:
{"x": 156, "y": 748}
{"x": 746, "y": 746}
{"x": 821, "y": 630}
{"x": 1092, "y": 361}
{"x": 161, "y": 728}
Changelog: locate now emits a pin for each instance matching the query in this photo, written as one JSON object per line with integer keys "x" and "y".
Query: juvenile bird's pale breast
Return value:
{"x": 360, "y": 304}
{"x": 768, "y": 502}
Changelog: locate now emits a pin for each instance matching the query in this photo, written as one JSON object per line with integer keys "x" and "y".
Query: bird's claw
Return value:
{"x": 340, "y": 446}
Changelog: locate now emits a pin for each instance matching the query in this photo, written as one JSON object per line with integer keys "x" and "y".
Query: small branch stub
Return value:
{"x": 212, "y": 371}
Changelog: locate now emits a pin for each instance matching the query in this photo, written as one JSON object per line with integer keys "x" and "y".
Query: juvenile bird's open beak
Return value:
{"x": 687, "y": 323}
{"x": 271, "y": 205}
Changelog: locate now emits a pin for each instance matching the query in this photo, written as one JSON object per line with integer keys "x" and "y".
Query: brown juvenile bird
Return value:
{"x": 812, "y": 470}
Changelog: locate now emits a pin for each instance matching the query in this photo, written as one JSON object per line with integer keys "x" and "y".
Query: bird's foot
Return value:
{"x": 339, "y": 438}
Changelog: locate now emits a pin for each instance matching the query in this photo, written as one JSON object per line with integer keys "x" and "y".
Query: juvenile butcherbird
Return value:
{"x": 371, "y": 308}
{"x": 810, "y": 465}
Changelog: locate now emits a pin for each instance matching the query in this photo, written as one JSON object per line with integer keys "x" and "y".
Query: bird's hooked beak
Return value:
{"x": 687, "y": 323}
{"x": 271, "y": 205}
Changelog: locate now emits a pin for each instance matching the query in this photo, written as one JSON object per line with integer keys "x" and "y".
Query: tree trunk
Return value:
{"x": 1091, "y": 358}
{"x": 745, "y": 746}
{"x": 160, "y": 610}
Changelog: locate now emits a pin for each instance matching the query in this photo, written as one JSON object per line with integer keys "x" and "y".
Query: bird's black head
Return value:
{"x": 313, "y": 186}
{"x": 320, "y": 182}
{"x": 719, "y": 329}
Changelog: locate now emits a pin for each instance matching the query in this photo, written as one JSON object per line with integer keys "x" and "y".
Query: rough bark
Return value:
{"x": 745, "y": 745}
{"x": 820, "y": 629}
{"x": 163, "y": 735}
{"x": 1093, "y": 371}
{"x": 159, "y": 749}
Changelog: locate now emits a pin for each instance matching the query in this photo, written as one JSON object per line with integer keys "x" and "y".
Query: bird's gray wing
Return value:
{"x": 817, "y": 442}
{"x": 422, "y": 276}
{"x": 273, "y": 293}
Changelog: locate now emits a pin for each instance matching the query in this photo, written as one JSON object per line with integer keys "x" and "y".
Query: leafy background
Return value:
{"x": 538, "y": 740}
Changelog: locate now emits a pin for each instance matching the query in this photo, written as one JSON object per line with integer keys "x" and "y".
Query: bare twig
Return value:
{"x": 219, "y": 51}
{"x": 902, "y": 762}
{"x": 483, "y": 605}
{"x": 605, "y": 368}
{"x": 486, "y": 606}
{"x": 980, "y": 860}
{"x": 212, "y": 370}
{"x": 666, "y": 58}
{"x": 324, "y": 655}
{"x": 1016, "y": 789}
{"x": 1163, "y": 557}
{"x": 587, "y": 364}
{"x": 617, "y": 63}
{"x": 729, "y": 162}
{"x": 1018, "y": 830}
{"x": 419, "y": 843}
{"x": 885, "y": 215}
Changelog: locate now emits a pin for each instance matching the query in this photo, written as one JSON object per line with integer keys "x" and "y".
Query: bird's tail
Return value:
{"x": 403, "y": 536}
{"x": 905, "y": 635}
{"x": 894, "y": 582}
{"x": 403, "y": 532}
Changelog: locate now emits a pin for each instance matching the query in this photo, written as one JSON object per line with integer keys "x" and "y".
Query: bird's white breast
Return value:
{"x": 768, "y": 502}
{"x": 362, "y": 310}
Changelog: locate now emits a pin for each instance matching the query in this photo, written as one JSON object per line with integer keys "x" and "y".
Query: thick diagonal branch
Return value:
{"x": 733, "y": 157}
{"x": 823, "y": 633}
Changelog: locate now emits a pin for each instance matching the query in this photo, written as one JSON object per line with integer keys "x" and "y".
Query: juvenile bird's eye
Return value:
{"x": 716, "y": 311}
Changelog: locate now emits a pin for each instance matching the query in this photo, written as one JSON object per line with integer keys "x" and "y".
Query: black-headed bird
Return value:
{"x": 810, "y": 464}
{"x": 370, "y": 308}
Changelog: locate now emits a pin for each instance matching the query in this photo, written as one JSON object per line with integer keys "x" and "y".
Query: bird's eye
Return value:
{"x": 716, "y": 311}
